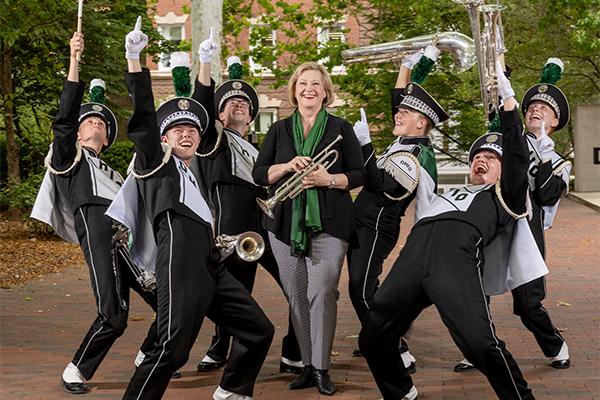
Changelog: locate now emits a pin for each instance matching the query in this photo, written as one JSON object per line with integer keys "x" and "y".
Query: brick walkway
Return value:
{"x": 43, "y": 322}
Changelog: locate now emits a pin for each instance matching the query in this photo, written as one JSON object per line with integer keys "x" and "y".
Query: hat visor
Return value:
{"x": 182, "y": 121}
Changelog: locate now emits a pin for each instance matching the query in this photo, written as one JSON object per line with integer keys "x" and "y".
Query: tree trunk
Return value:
{"x": 7, "y": 96}
{"x": 207, "y": 14}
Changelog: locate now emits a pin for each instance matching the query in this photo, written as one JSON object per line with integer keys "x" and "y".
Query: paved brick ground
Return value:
{"x": 42, "y": 323}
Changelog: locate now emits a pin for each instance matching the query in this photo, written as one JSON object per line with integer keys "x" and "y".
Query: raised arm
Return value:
{"x": 142, "y": 126}
{"x": 66, "y": 122}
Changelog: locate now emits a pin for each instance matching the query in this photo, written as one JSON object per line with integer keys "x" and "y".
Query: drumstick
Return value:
{"x": 79, "y": 20}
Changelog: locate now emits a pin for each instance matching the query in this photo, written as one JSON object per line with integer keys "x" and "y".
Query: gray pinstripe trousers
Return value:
{"x": 311, "y": 286}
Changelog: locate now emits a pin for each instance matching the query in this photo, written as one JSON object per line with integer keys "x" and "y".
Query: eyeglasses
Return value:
{"x": 239, "y": 103}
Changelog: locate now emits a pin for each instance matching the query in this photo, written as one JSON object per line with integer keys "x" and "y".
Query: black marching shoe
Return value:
{"x": 176, "y": 375}
{"x": 412, "y": 368}
{"x": 357, "y": 353}
{"x": 304, "y": 380}
{"x": 286, "y": 368}
{"x": 75, "y": 387}
{"x": 207, "y": 366}
{"x": 463, "y": 366}
{"x": 561, "y": 364}
{"x": 323, "y": 382}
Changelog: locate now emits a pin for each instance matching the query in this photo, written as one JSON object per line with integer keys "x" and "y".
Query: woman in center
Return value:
{"x": 311, "y": 233}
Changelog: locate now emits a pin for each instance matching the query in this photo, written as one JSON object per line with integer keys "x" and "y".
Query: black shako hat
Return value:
{"x": 491, "y": 141}
{"x": 416, "y": 98}
{"x": 100, "y": 110}
{"x": 237, "y": 88}
{"x": 551, "y": 95}
{"x": 179, "y": 111}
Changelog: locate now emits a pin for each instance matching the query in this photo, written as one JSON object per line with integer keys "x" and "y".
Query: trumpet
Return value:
{"x": 461, "y": 48}
{"x": 293, "y": 186}
{"x": 249, "y": 246}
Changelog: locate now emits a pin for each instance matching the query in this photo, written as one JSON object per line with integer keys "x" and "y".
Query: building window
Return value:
{"x": 331, "y": 34}
{"x": 262, "y": 123}
{"x": 174, "y": 34}
{"x": 265, "y": 44}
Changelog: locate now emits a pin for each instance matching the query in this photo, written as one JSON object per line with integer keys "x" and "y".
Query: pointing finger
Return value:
{"x": 138, "y": 24}
{"x": 363, "y": 115}
{"x": 210, "y": 35}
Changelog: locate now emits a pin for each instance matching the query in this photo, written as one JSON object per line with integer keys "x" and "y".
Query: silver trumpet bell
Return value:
{"x": 292, "y": 187}
{"x": 459, "y": 46}
{"x": 249, "y": 246}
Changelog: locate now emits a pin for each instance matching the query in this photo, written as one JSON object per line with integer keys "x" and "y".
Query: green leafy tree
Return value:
{"x": 34, "y": 51}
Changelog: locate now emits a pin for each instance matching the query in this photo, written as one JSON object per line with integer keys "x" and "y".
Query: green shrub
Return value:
{"x": 119, "y": 156}
{"x": 23, "y": 195}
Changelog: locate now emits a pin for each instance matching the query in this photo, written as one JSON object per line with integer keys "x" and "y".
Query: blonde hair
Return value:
{"x": 310, "y": 66}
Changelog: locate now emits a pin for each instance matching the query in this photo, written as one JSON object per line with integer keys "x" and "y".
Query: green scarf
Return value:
{"x": 306, "y": 215}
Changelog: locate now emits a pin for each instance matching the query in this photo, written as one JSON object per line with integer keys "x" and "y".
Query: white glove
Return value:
{"x": 207, "y": 49}
{"x": 412, "y": 60}
{"x": 432, "y": 52}
{"x": 544, "y": 145}
{"x": 505, "y": 89}
{"x": 135, "y": 41}
{"x": 361, "y": 129}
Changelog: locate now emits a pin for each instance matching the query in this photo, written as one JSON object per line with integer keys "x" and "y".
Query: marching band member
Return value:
{"x": 76, "y": 191}
{"x": 310, "y": 234}
{"x": 190, "y": 284}
{"x": 546, "y": 110}
{"x": 226, "y": 162}
{"x": 383, "y": 200}
{"x": 442, "y": 263}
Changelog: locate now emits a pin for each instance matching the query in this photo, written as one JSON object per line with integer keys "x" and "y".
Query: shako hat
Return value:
{"x": 179, "y": 111}
{"x": 417, "y": 99}
{"x": 491, "y": 141}
{"x": 97, "y": 108}
{"x": 549, "y": 93}
{"x": 236, "y": 87}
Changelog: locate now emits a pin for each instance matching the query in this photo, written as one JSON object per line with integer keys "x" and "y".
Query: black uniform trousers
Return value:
{"x": 245, "y": 273}
{"x": 235, "y": 216}
{"x": 527, "y": 299}
{"x": 440, "y": 264}
{"x": 94, "y": 231}
{"x": 190, "y": 288}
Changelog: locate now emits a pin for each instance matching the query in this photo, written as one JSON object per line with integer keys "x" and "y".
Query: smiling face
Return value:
{"x": 409, "y": 123}
{"x": 538, "y": 113}
{"x": 92, "y": 133}
{"x": 235, "y": 112}
{"x": 310, "y": 92}
{"x": 485, "y": 168}
{"x": 184, "y": 141}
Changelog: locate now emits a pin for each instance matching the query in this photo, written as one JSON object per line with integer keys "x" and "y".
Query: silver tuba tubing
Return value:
{"x": 459, "y": 46}
{"x": 292, "y": 187}
{"x": 249, "y": 246}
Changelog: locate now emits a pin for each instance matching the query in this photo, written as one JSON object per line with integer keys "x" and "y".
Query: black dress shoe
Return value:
{"x": 412, "y": 368}
{"x": 357, "y": 353}
{"x": 75, "y": 387}
{"x": 323, "y": 382}
{"x": 561, "y": 364}
{"x": 286, "y": 368}
{"x": 463, "y": 366}
{"x": 176, "y": 375}
{"x": 204, "y": 366}
{"x": 304, "y": 380}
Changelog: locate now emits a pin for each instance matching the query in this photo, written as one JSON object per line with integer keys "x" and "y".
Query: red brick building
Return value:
{"x": 176, "y": 25}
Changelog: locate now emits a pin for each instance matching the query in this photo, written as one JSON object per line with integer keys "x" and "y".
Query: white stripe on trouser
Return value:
{"x": 490, "y": 317}
{"x": 364, "y": 296}
{"x": 92, "y": 265}
{"x": 311, "y": 286}
{"x": 170, "y": 307}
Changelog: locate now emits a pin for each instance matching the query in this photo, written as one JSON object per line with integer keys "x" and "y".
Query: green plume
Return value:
{"x": 421, "y": 70}
{"x": 235, "y": 71}
{"x": 495, "y": 123}
{"x": 551, "y": 73}
{"x": 97, "y": 95}
{"x": 181, "y": 81}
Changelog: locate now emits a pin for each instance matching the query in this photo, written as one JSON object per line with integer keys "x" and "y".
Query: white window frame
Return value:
{"x": 267, "y": 110}
{"x": 255, "y": 67}
{"x": 323, "y": 36}
{"x": 161, "y": 66}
